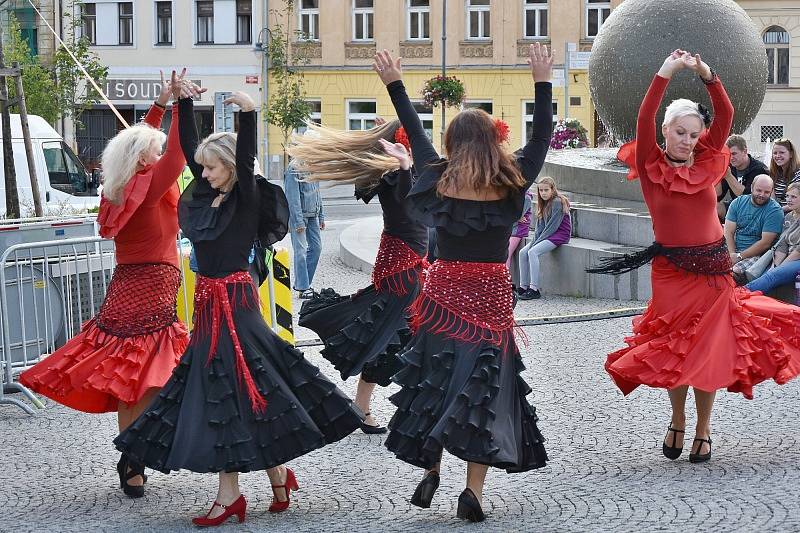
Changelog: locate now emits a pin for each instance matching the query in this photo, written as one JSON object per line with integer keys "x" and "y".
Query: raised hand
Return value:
{"x": 696, "y": 64}
{"x": 176, "y": 82}
{"x": 673, "y": 63}
{"x": 380, "y": 121}
{"x": 387, "y": 67}
{"x": 398, "y": 151}
{"x": 541, "y": 62}
{"x": 241, "y": 99}
{"x": 166, "y": 89}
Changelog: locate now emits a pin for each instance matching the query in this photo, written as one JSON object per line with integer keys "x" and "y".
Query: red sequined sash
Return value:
{"x": 140, "y": 300}
{"x": 395, "y": 259}
{"x": 467, "y": 301}
{"x": 212, "y": 305}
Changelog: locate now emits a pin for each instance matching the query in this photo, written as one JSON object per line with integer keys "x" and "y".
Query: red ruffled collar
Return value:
{"x": 113, "y": 217}
{"x": 710, "y": 165}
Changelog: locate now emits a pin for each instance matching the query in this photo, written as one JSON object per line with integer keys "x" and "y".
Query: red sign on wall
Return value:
{"x": 251, "y": 79}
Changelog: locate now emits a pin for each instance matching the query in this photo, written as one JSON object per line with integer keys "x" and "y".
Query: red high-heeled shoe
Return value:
{"x": 289, "y": 485}
{"x": 238, "y": 508}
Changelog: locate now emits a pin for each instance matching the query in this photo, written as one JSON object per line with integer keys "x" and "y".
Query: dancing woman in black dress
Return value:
{"x": 241, "y": 398}
{"x": 460, "y": 385}
{"x": 364, "y": 332}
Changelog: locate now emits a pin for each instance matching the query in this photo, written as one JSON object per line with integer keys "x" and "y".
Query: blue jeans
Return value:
{"x": 784, "y": 273}
{"x": 306, "y": 246}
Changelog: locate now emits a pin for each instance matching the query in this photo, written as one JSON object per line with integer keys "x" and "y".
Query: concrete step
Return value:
{"x": 626, "y": 227}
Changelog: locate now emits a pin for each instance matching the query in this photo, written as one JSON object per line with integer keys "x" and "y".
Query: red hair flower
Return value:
{"x": 501, "y": 130}
{"x": 400, "y": 136}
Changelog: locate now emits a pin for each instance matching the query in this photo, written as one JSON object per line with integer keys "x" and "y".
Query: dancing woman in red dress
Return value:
{"x": 124, "y": 355}
{"x": 699, "y": 329}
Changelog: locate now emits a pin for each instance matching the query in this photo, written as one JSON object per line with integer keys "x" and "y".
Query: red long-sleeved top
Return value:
{"x": 681, "y": 200}
{"x": 145, "y": 225}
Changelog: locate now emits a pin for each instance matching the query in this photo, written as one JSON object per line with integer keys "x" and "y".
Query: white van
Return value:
{"x": 64, "y": 184}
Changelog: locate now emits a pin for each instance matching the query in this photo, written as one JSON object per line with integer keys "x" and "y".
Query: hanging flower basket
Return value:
{"x": 569, "y": 134}
{"x": 447, "y": 90}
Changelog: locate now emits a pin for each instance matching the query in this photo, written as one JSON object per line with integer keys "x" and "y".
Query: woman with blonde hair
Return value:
{"x": 241, "y": 399}
{"x": 553, "y": 228}
{"x": 784, "y": 169}
{"x": 123, "y": 356}
{"x": 364, "y": 332}
{"x": 460, "y": 385}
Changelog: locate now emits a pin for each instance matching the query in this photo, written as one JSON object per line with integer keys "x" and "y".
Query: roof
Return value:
{"x": 39, "y": 127}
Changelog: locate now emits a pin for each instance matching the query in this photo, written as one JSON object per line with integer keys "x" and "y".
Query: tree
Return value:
{"x": 287, "y": 108}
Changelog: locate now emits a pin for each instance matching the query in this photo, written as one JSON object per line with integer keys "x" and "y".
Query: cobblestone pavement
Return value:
{"x": 606, "y": 471}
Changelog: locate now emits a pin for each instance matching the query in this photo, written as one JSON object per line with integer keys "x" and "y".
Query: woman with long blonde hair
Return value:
{"x": 460, "y": 388}
{"x": 241, "y": 399}
{"x": 364, "y": 332}
{"x": 124, "y": 355}
{"x": 553, "y": 228}
{"x": 784, "y": 169}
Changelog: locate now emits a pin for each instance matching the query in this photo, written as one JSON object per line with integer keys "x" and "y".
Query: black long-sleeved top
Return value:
{"x": 471, "y": 230}
{"x": 222, "y": 236}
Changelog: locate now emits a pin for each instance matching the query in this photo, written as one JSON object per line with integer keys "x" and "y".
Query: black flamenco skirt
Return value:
{"x": 364, "y": 333}
{"x": 203, "y": 420}
{"x": 467, "y": 398}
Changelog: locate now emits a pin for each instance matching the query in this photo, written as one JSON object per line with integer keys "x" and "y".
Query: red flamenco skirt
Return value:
{"x": 705, "y": 332}
{"x": 129, "y": 348}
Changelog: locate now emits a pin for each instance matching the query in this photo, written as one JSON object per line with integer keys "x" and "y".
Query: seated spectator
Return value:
{"x": 520, "y": 229}
{"x": 786, "y": 259}
{"x": 553, "y": 228}
{"x": 784, "y": 168}
{"x": 742, "y": 171}
{"x": 752, "y": 224}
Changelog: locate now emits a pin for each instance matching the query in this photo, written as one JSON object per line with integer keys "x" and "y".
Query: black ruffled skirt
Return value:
{"x": 466, "y": 398}
{"x": 364, "y": 333}
{"x": 203, "y": 421}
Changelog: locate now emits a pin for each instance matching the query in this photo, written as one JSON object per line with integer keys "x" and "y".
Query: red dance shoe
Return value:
{"x": 289, "y": 485}
{"x": 237, "y": 508}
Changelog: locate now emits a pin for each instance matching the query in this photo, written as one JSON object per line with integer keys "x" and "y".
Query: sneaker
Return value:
{"x": 530, "y": 294}
{"x": 306, "y": 294}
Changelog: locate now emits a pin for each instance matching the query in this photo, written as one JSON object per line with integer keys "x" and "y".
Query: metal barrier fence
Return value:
{"x": 48, "y": 290}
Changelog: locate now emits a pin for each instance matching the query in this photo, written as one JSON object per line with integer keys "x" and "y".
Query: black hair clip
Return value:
{"x": 705, "y": 113}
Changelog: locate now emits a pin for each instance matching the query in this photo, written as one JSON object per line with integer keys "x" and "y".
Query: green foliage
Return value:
{"x": 445, "y": 90}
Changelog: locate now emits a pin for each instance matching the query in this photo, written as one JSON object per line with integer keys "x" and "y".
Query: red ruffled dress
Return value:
{"x": 136, "y": 340}
{"x": 698, "y": 330}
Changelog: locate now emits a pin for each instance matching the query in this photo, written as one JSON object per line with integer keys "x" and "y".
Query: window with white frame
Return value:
{"x": 163, "y": 23}
{"x": 125, "y": 13}
{"x": 89, "y": 22}
{"x": 597, "y": 11}
{"x": 535, "y": 19}
{"x": 418, "y": 19}
{"x": 308, "y": 20}
{"x": 244, "y": 17}
{"x": 361, "y": 114}
{"x": 776, "y": 40}
{"x": 205, "y": 21}
{"x": 315, "y": 116}
{"x": 425, "y": 114}
{"x": 363, "y": 17}
{"x": 478, "y": 19}
{"x": 486, "y": 105}
{"x": 528, "y": 107}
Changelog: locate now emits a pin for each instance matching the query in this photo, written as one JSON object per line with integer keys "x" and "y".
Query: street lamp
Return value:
{"x": 262, "y": 45}
{"x": 444, "y": 63}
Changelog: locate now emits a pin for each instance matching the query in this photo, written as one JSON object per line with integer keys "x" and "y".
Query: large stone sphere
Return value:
{"x": 634, "y": 41}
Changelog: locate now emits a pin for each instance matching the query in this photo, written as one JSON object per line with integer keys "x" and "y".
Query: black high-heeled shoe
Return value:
{"x": 371, "y": 430}
{"x": 469, "y": 508}
{"x": 425, "y": 490}
{"x": 700, "y": 457}
{"x": 134, "y": 491}
{"x": 673, "y": 452}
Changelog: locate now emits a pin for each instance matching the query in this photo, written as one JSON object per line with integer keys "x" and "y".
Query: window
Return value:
{"x": 244, "y": 15}
{"x": 535, "y": 19}
{"x": 776, "y": 39}
{"x": 363, "y": 15}
{"x": 770, "y": 133}
{"x": 478, "y": 20}
{"x": 309, "y": 19}
{"x": 65, "y": 172}
{"x": 597, "y": 11}
{"x": 163, "y": 23}
{"x": 575, "y": 101}
{"x": 125, "y": 10}
{"x": 205, "y": 22}
{"x": 419, "y": 19}
{"x": 527, "y": 118}
{"x": 89, "y": 22}
{"x": 486, "y": 105}
{"x": 315, "y": 116}
{"x": 361, "y": 114}
{"x": 425, "y": 114}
